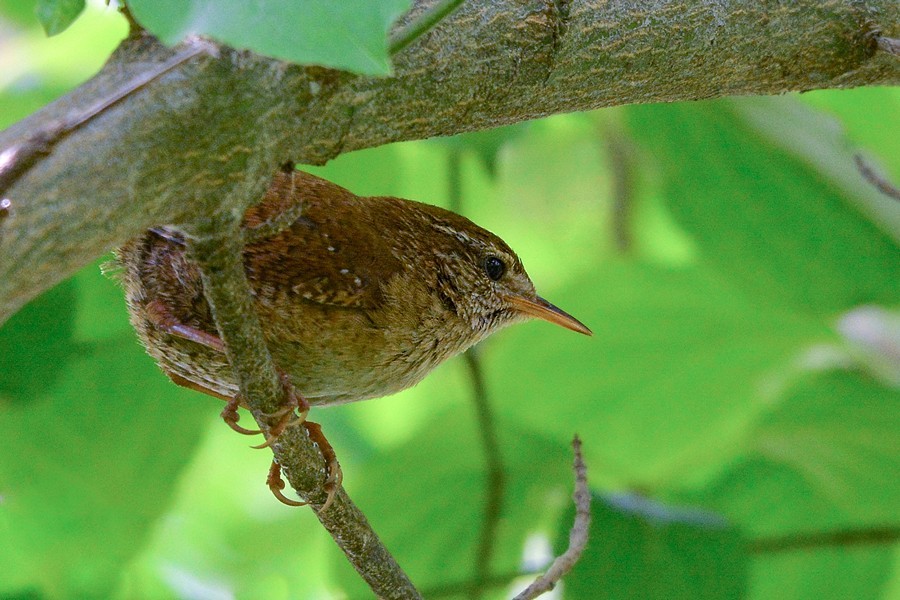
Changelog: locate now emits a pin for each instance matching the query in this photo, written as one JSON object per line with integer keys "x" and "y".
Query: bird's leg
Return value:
{"x": 332, "y": 482}
{"x": 229, "y": 414}
{"x": 285, "y": 414}
{"x": 163, "y": 319}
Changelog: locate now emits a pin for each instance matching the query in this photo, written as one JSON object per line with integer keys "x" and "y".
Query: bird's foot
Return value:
{"x": 332, "y": 482}
{"x": 230, "y": 415}
{"x": 285, "y": 415}
{"x": 335, "y": 475}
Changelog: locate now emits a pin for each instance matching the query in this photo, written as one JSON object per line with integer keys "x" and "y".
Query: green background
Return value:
{"x": 738, "y": 402}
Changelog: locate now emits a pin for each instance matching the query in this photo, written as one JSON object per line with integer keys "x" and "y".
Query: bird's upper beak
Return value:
{"x": 542, "y": 309}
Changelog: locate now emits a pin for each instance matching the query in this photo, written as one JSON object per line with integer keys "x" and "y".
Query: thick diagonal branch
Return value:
{"x": 160, "y": 155}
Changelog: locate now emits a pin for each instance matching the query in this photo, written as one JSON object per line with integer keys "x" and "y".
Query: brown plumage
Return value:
{"x": 357, "y": 297}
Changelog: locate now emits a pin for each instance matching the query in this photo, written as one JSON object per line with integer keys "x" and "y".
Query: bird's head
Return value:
{"x": 483, "y": 281}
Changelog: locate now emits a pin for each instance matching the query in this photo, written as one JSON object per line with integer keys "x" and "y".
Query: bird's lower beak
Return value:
{"x": 542, "y": 309}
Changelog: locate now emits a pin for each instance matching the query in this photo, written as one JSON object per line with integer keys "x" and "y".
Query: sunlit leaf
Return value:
{"x": 349, "y": 35}
{"x": 763, "y": 213}
{"x": 823, "y": 462}
{"x": 680, "y": 363}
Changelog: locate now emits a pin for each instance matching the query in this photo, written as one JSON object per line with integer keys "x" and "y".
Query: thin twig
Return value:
{"x": 17, "y": 160}
{"x": 889, "y": 534}
{"x": 454, "y": 589}
{"x": 421, "y": 24}
{"x": 495, "y": 479}
{"x": 578, "y": 536}
{"x": 216, "y": 246}
{"x": 873, "y": 536}
{"x": 486, "y": 422}
{"x": 889, "y": 45}
{"x": 883, "y": 185}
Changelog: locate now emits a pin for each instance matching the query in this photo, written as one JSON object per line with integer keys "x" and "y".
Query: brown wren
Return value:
{"x": 357, "y": 297}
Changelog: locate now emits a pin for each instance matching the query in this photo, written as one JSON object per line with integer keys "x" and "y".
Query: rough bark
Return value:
{"x": 211, "y": 131}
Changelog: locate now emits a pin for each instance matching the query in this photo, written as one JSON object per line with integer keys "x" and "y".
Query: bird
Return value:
{"x": 357, "y": 297}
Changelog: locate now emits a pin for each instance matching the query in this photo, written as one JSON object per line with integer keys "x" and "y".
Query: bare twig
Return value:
{"x": 216, "y": 246}
{"x": 495, "y": 480}
{"x": 578, "y": 537}
{"x": 883, "y": 185}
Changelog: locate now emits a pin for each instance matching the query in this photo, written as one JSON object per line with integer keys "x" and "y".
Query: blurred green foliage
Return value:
{"x": 723, "y": 413}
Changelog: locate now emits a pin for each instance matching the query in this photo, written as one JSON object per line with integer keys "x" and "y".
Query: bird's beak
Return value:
{"x": 542, "y": 309}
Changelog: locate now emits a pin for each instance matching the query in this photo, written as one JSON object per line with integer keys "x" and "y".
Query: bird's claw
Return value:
{"x": 276, "y": 484}
{"x": 332, "y": 482}
{"x": 287, "y": 418}
{"x": 230, "y": 415}
{"x": 335, "y": 474}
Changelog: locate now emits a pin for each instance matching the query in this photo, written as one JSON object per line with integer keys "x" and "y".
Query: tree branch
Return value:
{"x": 216, "y": 245}
{"x": 578, "y": 536}
{"x": 18, "y": 159}
{"x": 163, "y": 155}
{"x": 887, "y": 534}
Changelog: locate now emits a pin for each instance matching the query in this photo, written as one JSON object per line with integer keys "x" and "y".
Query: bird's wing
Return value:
{"x": 334, "y": 252}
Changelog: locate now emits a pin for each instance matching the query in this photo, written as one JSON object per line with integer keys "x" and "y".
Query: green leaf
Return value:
{"x": 833, "y": 446}
{"x": 819, "y": 142}
{"x": 674, "y": 350}
{"x": 56, "y": 15}
{"x": 91, "y": 449}
{"x": 349, "y": 35}
{"x": 861, "y": 572}
{"x": 862, "y": 113}
{"x": 210, "y": 536}
{"x": 824, "y": 460}
{"x": 427, "y": 499}
{"x": 764, "y": 212}
{"x": 644, "y": 550}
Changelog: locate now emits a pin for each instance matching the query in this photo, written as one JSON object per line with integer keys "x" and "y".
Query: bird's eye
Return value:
{"x": 494, "y": 267}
